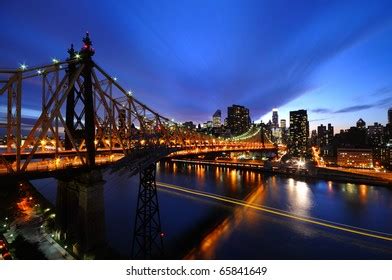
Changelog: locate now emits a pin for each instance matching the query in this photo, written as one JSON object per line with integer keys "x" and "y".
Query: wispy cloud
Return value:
{"x": 384, "y": 102}
{"x": 355, "y": 108}
{"x": 321, "y": 110}
{"x": 319, "y": 120}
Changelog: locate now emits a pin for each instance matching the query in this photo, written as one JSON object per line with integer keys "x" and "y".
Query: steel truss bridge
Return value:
{"x": 89, "y": 120}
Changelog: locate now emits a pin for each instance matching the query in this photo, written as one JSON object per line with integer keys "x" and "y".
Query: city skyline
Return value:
{"x": 196, "y": 130}
{"x": 299, "y": 60}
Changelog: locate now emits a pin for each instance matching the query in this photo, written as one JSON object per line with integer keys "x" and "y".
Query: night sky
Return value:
{"x": 186, "y": 59}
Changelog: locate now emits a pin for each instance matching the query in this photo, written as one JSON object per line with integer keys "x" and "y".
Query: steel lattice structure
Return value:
{"x": 86, "y": 115}
{"x": 147, "y": 238}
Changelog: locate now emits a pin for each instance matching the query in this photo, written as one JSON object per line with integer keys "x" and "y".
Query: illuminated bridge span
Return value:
{"x": 254, "y": 134}
{"x": 87, "y": 121}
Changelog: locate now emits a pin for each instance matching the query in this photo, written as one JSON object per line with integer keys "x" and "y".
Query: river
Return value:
{"x": 203, "y": 228}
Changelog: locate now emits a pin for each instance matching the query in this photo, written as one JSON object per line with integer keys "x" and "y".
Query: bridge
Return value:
{"x": 89, "y": 121}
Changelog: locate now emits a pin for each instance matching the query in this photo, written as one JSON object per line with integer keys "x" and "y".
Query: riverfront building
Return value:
{"x": 356, "y": 158}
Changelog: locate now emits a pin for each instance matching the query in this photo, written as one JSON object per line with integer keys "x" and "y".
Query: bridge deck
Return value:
{"x": 47, "y": 162}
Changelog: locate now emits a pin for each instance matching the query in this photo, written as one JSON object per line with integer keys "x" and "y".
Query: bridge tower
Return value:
{"x": 85, "y": 95}
{"x": 70, "y": 106}
{"x": 148, "y": 237}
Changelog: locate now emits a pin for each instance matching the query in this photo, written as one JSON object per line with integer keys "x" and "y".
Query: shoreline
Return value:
{"x": 319, "y": 173}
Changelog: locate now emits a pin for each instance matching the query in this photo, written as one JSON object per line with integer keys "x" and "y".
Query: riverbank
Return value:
{"x": 30, "y": 219}
{"x": 324, "y": 173}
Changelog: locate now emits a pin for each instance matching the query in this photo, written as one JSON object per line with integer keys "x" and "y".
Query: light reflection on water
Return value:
{"x": 207, "y": 247}
{"x": 356, "y": 205}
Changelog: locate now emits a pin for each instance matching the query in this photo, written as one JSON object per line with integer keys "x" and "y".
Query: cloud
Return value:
{"x": 384, "y": 102}
{"x": 321, "y": 110}
{"x": 318, "y": 120}
{"x": 382, "y": 91}
{"x": 355, "y": 108}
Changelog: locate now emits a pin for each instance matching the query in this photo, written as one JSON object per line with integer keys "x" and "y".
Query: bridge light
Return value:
{"x": 23, "y": 66}
{"x": 57, "y": 162}
{"x": 54, "y": 60}
{"x": 115, "y": 78}
{"x": 39, "y": 71}
{"x": 129, "y": 92}
{"x": 43, "y": 143}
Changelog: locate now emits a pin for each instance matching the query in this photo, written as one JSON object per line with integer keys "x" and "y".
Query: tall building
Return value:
{"x": 238, "y": 119}
{"x": 375, "y": 135}
{"x": 325, "y": 135}
{"x": 275, "y": 118}
{"x": 390, "y": 115}
{"x": 217, "y": 119}
{"x": 330, "y": 134}
{"x": 122, "y": 123}
{"x": 321, "y": 135}
{"x": 189, "y": 125}
{"x": 299, "y": 133}
{"x": 313, "y": 138}
{"x": 283, "y": 123}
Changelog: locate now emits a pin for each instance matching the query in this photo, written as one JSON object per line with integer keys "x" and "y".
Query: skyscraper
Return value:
{"x": 330, "y": 134}
{"x": 122, "y": 123}
{"x": 299, "y": 133}
{"x": 275, "y": 118}
{"x": 321, "y": 135}
{"x": 217, "y": 119}
{"x": 283, "y": 123}
{"x": 238, "y": 119}
{"x": 390, "y": 115}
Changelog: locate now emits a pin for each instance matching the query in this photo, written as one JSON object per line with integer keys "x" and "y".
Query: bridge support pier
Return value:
{"x": 147, "y": 239}
{"x": 80, "y": 215}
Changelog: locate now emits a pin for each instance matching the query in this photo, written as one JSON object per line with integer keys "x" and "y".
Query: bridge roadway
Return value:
{"x": 50, "y": 163}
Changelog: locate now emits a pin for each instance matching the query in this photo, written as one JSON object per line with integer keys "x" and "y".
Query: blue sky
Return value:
{"x": 188, "y": 58}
